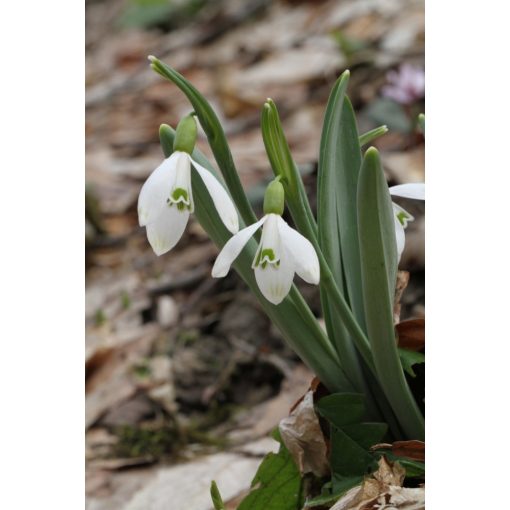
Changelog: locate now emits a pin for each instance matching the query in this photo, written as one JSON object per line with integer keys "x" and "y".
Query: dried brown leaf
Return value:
{"x": 359, "y": 497}
{"x": 411, "y": 449}
{"x": 411, "y": 334}
{"x": 383, "y": 487}
{"x": 405, "y": 498}
{"x": 389, "y": 473}
{"x": 303, "y": 437}
{"x": 402, "y": 282}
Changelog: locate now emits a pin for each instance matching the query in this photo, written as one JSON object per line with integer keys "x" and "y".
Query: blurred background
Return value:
{"x": 185, "y": 375}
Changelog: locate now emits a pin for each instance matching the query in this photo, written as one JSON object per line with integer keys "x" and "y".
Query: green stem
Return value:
{"x": 215, "y": 135}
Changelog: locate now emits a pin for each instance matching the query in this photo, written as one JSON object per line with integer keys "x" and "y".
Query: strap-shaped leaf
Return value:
{"x": 338, "y": 316}
{"x": 371, "y": 135}
{"x": 216, "y": 497}
{"x": 293, "y": 317}
{"x": 283, "y": 164}
{"x": 378, "y": 250}
{"x": 215, "y": 135}
{"x": 329, "y": 218}
{"x": 339, "y": 165}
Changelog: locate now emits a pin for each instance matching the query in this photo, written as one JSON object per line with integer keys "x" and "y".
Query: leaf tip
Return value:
{"x": 372, "y": 153}
{"x": 152, "y": 58}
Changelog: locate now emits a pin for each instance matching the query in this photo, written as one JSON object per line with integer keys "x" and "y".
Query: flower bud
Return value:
{"x": 186, "y": 134}
{"x": 274, "y": 199}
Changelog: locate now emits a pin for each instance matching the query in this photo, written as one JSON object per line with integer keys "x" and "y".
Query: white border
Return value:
{"x": 42, "y": 261}
{"x": 468, "y": 203}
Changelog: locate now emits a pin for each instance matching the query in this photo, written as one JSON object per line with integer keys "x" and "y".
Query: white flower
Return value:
{"x": 282, "y": 252}
{"x": 402, "y": 217}
{"x": 166, "y": 201}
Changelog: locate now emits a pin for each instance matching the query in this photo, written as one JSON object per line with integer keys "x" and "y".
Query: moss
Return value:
{"x": 146, "y": 441}
{"x": 142, "y": 370}
{"x": 100, "y": 317}
{"x": 125, "y": 300}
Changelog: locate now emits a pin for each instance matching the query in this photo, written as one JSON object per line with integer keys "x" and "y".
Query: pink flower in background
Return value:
{"x": 406, "y": 85}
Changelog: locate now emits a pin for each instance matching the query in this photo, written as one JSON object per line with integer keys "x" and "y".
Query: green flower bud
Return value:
{"x": 186, "y": 134}
{"x": 274, "y": 199}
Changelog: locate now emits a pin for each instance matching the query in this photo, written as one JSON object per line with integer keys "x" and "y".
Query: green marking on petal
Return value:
{"x": 403, "y": 218}
{"x": 180, "y": 197}
{"x": 266, "y": 256}
{"x": 268, "y": 253}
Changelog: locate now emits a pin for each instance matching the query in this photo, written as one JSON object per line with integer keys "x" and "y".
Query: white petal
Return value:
{"x": 233, "y": 248}
{"x": 220, "y": 198}
{"x": 400, "y": 237}
{"x": 183, "y": 178}
{"x": 302, "y": 251}
{"x": 412, "y": 190}
{"x": 275, "y": 281}
{"x": 270, "y": 239}
{"x": 165, "y": 232}
{"x": 156, "y": 190}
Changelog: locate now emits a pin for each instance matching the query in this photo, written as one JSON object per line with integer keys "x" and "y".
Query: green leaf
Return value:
{"x": 378, "y": 252}
{"x": 342, "y": 408}
{"x": 371, "y": 135}
{"x": 334, "y": 303}
{"x": 341, "y": 486}
{"x": 339, "y": 165}
{"x": 409, "y": 358}
{"x": 283, "y": 164}
{"x": 414, "y": 469}
{"x": 348, "y": 458}
{"x": 216, "y": 497}
{"x": 276, "y": 486}
{"x": 215, "y": 135}
{"x": 351, "y": 439}
{"x": 337, "y": 156}
{"x": 366, "y": 434}
{"x": 293, "y": 317}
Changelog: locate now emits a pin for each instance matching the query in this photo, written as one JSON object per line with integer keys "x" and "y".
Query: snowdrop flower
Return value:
{"x": 166, "y": 198}
{"x": 402, "y": 217}
{"x": 406, "y": 85}
{"x": 282, "y": 250}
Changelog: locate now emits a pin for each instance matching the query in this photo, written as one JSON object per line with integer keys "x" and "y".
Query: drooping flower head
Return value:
{"x": 281, "y": 253}
{"x": 166, "y": 198}
{"x": 402, "y": 217}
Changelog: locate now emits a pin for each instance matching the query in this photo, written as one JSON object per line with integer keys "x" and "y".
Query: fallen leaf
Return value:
{"x": 413, "y": 449}
{"x": 411, "y": 334}
{"x": 302, "y": 435}
{"x": 407, "y": 498}
{"x": 400, "y": 286}
{"x": 389, "y": 473}
{"x": 382, "y": 490}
